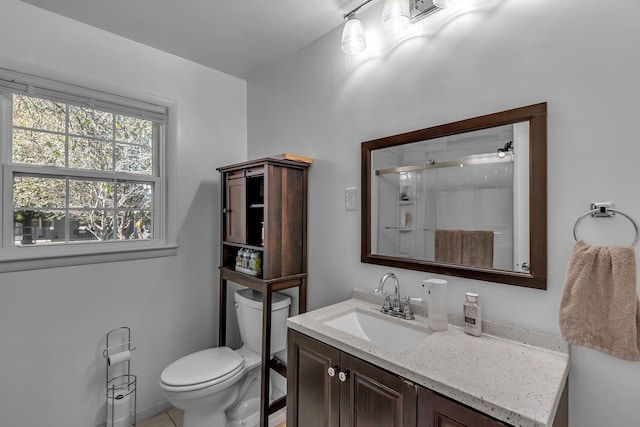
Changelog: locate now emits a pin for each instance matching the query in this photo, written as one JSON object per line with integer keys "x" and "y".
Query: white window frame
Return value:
{"x": 164, "y": 241}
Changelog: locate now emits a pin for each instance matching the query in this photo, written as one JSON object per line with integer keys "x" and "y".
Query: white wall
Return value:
{"x": 53, "y": 322}
{"x": 579, "y": 56}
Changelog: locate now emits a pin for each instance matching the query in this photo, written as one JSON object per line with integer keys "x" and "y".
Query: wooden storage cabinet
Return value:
{"x": 264, "y": 209}
{"x": 368, "y": 397}
{"x": 357, "y": 395}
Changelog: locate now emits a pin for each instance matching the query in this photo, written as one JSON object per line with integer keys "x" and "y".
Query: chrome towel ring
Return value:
{"x": 604, "y": 210}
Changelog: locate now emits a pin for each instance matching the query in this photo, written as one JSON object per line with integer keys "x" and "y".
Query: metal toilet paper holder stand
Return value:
{"x": 123, "y": 385}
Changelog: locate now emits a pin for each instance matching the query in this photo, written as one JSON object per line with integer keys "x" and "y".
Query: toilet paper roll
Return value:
{"x": 118, "y": 406}
{"x": 117, "y": 358}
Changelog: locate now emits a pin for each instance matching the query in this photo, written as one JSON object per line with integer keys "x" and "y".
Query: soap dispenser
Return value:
{"x": 438, "y": 313}
{"x": 472, "y": 315}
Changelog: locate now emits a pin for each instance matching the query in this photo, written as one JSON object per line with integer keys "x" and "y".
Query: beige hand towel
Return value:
{"x": 599, "y": 308}
{"x": 448, "y": 246}
{"x": 477, "y": 248}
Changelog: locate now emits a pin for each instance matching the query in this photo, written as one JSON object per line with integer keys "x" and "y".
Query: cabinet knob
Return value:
{"x": 224, "y": 210}
{"x": 332, "y": 371}
{"x": 343, "y": 376}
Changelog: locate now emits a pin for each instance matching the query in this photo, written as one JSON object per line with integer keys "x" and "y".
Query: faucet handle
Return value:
{"x": 406, "y": 309}
{"x": 387, "y": 302}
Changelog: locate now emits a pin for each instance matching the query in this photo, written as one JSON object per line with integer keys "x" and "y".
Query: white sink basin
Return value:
{"x": 388, "y": 333}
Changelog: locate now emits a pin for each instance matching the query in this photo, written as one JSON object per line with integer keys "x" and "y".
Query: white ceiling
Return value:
{"x": 236, "y": 37}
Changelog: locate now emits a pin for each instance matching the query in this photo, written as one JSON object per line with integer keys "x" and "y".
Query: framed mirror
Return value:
{"x": 466, "y": 199}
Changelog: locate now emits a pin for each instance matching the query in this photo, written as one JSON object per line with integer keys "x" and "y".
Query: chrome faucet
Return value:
{"x": 396, "y": 290}
{"x": 394, "y": 308}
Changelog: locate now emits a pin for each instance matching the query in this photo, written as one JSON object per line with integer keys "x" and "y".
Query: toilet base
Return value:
{"x": 248, "y": 413}
{"x": 251, "y": 414}
{"x": 253, "y": 419}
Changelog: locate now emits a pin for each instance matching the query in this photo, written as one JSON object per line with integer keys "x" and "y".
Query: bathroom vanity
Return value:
{"x": 506, "y": 377}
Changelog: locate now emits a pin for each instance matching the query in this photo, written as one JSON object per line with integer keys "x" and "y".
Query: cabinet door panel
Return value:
{"x": 437, "y": 411}
{"x": 442, "y": 421}
{"x": 372, "y": 397}
{"x": 236, "y": 211}
{"x": 312, "y": 395}
{"x": 286, "y": 229}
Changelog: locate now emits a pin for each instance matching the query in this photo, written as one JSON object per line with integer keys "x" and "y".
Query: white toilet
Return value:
{"x": 220, "y": 387}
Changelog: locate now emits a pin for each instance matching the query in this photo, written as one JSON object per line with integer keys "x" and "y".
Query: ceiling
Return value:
{"x": 237, "y": 37}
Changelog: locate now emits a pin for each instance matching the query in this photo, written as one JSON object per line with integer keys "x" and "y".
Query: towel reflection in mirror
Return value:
{"x": 465, "y": 247}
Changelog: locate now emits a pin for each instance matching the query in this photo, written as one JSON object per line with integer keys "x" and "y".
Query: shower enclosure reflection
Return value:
{"x": 466, "y": 198}
{"x": 455, "y": 199}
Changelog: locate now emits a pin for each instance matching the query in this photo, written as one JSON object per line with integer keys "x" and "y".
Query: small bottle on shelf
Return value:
{"x": 239, "y": 257}
{"x": 245, "y": 258}
{"x": 258, "y": 262}
{"x": 252, "y": 261}
{"x": 404, "y": 194}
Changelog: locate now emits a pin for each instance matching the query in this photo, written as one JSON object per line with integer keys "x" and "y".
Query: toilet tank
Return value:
{"x": 249, "y": 313}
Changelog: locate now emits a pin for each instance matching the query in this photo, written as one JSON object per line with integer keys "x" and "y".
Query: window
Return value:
{"x": 81, "y": 169}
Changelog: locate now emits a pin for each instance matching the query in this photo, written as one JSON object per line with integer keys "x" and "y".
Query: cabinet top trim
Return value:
{"x": 264, "y": 161}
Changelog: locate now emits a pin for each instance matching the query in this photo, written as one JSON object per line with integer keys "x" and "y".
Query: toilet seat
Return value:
{"x": 203, "y": 369}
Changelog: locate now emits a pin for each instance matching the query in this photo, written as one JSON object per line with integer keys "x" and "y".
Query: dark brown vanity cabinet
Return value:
{"x": 371, "y": 396}
{"x": 437, "y": 411}
{"x": 264, "y": 214}
{"x": 330, "y": 388}
{"x": 313, "y": 397}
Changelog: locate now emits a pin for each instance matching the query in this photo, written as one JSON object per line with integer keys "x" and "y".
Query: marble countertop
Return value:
{"x": 514, "y": 375}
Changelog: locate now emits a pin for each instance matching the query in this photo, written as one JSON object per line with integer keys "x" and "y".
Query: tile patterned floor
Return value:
{"x": 170, "y": 418}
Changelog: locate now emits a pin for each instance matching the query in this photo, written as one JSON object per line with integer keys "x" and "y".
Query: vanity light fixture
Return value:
{"x": 396, "y": 16}
{"x": 353, "y": 39}
{"x": 445, "y": 3}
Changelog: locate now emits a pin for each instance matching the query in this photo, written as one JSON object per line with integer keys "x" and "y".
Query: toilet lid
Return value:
{"x": 204, "y": 366}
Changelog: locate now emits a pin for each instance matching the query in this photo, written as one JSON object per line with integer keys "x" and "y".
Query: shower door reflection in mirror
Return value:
{"x": 461, "y": 199}
{"x": 466, "y": 198}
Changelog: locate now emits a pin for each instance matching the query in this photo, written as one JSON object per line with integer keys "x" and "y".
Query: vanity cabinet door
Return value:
{"x": 372, "y": 397}
{"x": 437, "y": 411}
{"x": 354, "y": 394}
{"x": 313, "y": 396}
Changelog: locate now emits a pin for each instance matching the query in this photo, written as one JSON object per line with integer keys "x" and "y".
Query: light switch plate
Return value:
{"x": 351, "y": 199}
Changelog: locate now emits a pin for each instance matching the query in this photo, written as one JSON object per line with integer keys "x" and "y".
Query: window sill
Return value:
{"x": 40, "y": 258}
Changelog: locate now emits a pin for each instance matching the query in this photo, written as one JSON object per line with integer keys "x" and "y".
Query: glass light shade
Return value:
{"x": 353, "y": 39}
{"x": 395, "y": 15}
{"x": 445, "y": 3}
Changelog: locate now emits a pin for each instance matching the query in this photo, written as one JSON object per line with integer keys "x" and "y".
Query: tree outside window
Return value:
{"x": 80, "y": 173}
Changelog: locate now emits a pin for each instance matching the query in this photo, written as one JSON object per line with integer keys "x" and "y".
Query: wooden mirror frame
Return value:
{"x": 536, "y": 278}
